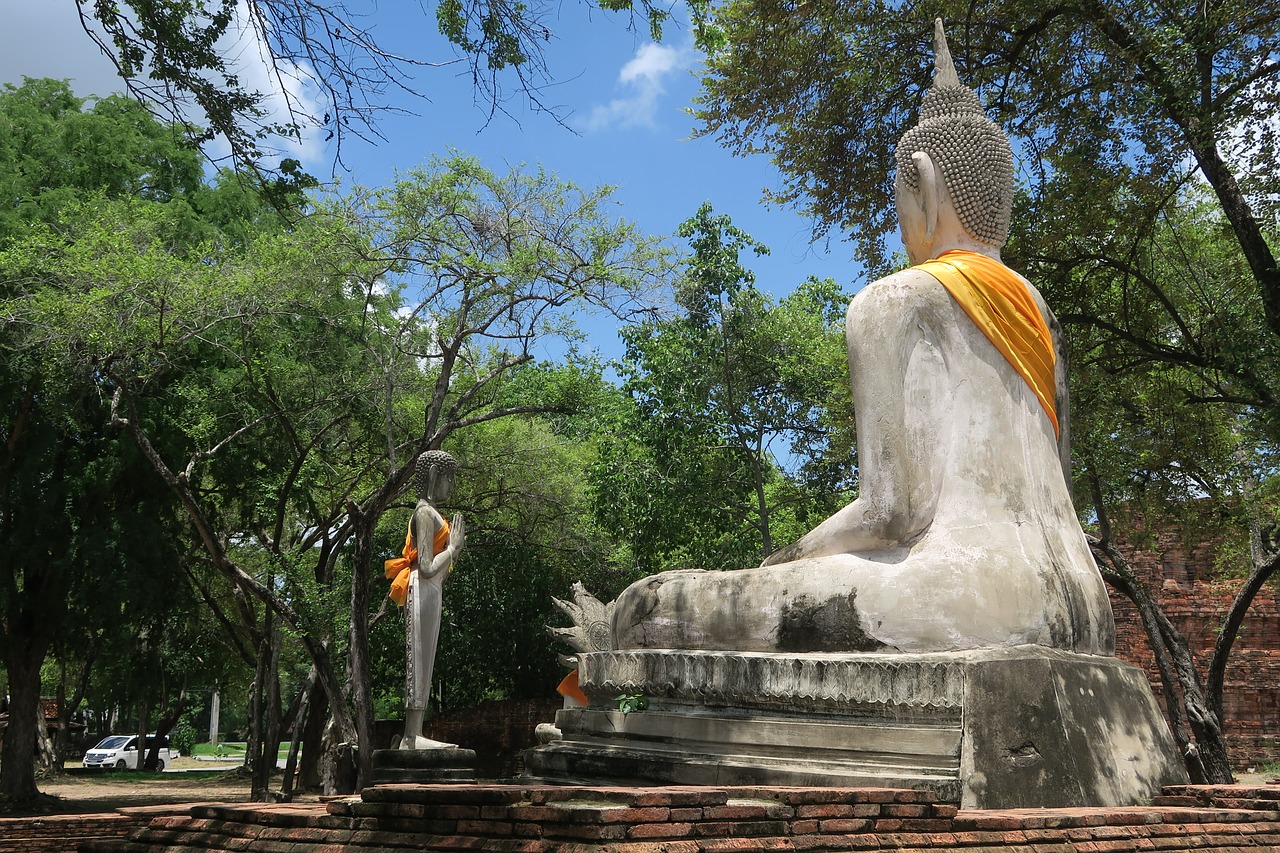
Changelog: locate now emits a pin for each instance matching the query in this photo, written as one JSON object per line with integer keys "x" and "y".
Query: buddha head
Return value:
{"x": 433, "y": 476}
{"x": 957, "y": 152}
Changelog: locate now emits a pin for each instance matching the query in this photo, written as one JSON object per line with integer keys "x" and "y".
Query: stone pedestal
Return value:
{"x": 1006, "y": 728}
{"x": 441, "y": 764}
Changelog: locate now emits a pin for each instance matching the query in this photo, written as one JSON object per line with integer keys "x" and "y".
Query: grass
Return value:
{"x": 231, "y": 749}
{"x": 221, "y": 750}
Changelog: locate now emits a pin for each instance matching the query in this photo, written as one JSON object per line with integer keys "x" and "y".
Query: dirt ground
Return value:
{"x": 188, "y": 781}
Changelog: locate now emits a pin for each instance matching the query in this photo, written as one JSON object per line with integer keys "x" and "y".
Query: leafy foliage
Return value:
{"x": 1126, "y": 94}
{"x": 86, "y": 540}
{"x": 725, "y": 396}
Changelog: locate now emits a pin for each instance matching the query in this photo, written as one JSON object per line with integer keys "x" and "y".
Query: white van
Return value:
{"x": 120, "y": 752}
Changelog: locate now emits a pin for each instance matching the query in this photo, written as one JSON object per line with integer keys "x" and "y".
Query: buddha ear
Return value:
{"x": 930, "y": 192}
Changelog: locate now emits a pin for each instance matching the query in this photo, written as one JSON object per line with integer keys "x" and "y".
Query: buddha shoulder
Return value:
{"x": 910, "y": 289}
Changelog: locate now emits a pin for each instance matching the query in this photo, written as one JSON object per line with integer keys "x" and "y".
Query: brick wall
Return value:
{"x": 498, "y": 731}
{"x": 676, "y": 819}
{"x": 62, "y": 833}
{"x": 1178, "y": 576}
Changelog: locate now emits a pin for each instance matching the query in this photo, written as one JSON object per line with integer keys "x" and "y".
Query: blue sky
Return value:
{"x": 621, "y": 96}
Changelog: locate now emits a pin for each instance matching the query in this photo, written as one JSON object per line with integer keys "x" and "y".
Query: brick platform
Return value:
{"x": 534, "y": 819}
{"x": 65, "y": 833}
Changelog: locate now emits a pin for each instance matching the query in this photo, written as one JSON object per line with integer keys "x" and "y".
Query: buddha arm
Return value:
{"x": 1062, "y": 400}
{"x": 902, "y": 397}
{"x": 426, "y": 523}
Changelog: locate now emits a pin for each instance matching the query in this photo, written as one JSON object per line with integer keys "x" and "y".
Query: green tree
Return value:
{"x": 282, "y": 386}
{"x": 72, "y": 512}
{"x": 1122, "y": 91}
{"x": 197, "y": 346}
{"x": 738, "y": 409}
{"x": 1168, "y": 441}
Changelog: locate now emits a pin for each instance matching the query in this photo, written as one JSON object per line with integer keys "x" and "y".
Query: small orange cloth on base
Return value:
{"x": 399, "y": 569}
{"x": 1001, "y": 306}
{"x": 570, "y": 689}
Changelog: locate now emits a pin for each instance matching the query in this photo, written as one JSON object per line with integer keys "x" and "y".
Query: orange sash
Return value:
{"x": 569, "y": 687}
{"x": 401, "y": 567}
{"x": 1001, "y": 306}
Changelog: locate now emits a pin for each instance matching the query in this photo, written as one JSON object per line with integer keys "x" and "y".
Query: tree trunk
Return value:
{"x": 82, "y": 684}
{"x": 168, "y": 719}
{"x": 339, "y": 772}
{"x": 1204, "y": 752}
{"x": 64, "y": 719}
{"x": 257, "y": 702}
{"x": 299, "y": 722}
{"x": 45, "y": 753}
{"x": 271, "y": 740}
{"x": 762, "y": 504}
{"x": 1265, "y": 563}
{"x": 144, "y": 726}
{"x": 361, "y": 676}
{"x": 17, "y": 760}
{"x": 1169, "y": 681}
{"x": 309, "y": 777}
{"x": 1210, "y": 742}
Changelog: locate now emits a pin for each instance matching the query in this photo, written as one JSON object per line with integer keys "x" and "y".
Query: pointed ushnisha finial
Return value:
{"x": 971, "y": 152}
{"x": 944, "y": 73}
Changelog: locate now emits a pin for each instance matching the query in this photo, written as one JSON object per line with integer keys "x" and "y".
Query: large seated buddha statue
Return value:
{"x": 963, "y": 535}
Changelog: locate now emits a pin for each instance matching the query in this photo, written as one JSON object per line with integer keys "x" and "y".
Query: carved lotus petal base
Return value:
{"x": 1004, "y": 728}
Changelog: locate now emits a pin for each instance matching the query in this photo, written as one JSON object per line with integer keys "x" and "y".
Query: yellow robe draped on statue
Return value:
{"x": 399, "y": 569}
{"x": 1001, "y": 306}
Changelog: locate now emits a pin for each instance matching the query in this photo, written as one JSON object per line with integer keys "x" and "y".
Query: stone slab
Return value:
{"x": 1006, "y": 728}
{"x": 445, "y": 764}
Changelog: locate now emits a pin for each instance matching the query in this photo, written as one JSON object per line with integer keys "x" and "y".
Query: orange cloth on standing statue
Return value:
{"x": 569, "y": 687}
{"x": 1001, "y": 306}
{"x": 400, "y": 567}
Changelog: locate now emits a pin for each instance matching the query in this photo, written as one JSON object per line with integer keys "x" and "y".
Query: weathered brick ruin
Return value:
{"x": 1180, "y": 577}
{"x": 575, "y": 819}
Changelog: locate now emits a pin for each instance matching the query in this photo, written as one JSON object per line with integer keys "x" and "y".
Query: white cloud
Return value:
{"x": 644, "y": 79}
{"x": 292, "y": 93}
{"x": 46, "y": 40}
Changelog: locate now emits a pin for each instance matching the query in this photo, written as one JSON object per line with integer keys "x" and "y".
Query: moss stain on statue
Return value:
{"x": 830, "y": 625}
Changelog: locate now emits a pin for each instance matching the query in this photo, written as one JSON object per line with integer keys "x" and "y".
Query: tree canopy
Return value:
{"x": 279, "y": 375}
{"x": 85, "y": 537}
{"x": 739, "y": 423}
{"x": 1140, "y": 97}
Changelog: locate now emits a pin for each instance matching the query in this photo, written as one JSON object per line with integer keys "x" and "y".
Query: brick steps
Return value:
{"x": 57, "y": 833}
{"x": 537, "y": 819}
{"x": 65, "y": 833}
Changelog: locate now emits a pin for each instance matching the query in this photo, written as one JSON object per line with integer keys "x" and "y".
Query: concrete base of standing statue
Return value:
{"x": 1018, "y": 727}
{"x": 444, "y": 763}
